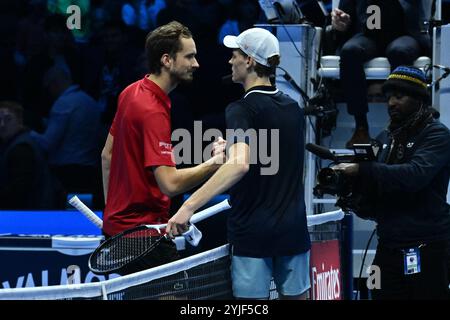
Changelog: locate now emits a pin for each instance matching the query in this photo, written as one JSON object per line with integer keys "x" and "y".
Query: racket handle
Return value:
{"x": 88, "y": 213}
{"x": 199, "y": 216}
{"x": 221, "y": 206}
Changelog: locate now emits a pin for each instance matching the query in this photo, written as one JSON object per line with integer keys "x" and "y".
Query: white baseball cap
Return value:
{"x": 258, "y": 43}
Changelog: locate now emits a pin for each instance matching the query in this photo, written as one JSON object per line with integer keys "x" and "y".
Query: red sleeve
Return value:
{"x": 156, "y": 140}
{"x": 119, "y": 110}
{"x": 112, "y": 130}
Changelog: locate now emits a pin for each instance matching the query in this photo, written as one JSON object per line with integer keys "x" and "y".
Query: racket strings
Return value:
{"x": 123, "y": 250}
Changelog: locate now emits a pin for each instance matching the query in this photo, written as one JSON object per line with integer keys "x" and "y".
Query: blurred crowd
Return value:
{"x": 59, "y": 87}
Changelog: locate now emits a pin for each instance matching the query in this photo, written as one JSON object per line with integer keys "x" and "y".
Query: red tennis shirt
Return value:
{"x": 141, "y": 131}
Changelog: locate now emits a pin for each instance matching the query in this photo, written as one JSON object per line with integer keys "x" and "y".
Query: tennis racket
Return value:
{"x": 88, "y": 213}
{"x": 141, "y": 247}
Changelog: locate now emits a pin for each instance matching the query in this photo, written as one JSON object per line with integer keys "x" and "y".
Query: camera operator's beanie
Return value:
{"x": 409, "y": 80}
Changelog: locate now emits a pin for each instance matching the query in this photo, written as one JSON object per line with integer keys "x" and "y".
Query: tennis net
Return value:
{"x": 203, "y": 276}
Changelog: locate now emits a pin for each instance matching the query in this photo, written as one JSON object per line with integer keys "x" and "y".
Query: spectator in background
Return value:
{"x": 30, "y": 34}
{"x": 101, "y": 12}
{"x": 110, "y": 67}
{"x": 61, "y": 45}
{"x": 30, "y": 42}
{"x": 25, "y": 179}
{"x": 60, "y": 7}
{"x": 58, "y": 48}
{"x": 142, "y": 13}
{"x": 399, "y": 38}
{"x": 9, "y": 16}
{"x": 247, "y": 14}
{"x": 72, "y": 134}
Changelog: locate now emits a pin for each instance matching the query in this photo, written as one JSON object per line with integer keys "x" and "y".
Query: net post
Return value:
{"x": 347, "y": 255}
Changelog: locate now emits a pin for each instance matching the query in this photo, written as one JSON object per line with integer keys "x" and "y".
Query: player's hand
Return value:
{"x": 218, "y": 151}
{"x": 340, "y": 20}
{"x": 178, "y": 224}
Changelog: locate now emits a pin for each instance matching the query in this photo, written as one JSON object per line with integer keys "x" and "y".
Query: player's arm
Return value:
{"x": 173, "y": 181}
{"x": 226, "y": 176}
{"x": 106, "y": 163}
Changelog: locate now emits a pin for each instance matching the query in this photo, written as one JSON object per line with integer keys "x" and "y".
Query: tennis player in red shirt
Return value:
{"x": 139, "y": 173}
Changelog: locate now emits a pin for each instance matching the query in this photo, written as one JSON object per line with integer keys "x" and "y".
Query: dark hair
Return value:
{"x": 164, "y": 40}
{"x": 13, "y": 107}
{"x": 262, "y": 70}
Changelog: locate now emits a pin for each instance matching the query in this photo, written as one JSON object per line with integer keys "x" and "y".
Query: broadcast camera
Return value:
{"x": 334, "y": 182}
{"x": 321, "y": 105}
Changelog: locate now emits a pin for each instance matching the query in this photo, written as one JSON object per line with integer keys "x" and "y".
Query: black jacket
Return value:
{"x": 408, "y": 200}
{"x": 416, "y": 12}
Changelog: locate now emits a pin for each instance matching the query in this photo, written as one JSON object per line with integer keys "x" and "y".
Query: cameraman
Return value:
{"x": 405, "y": 193}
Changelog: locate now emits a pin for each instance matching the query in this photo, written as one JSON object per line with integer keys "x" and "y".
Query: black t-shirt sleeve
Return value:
{"x": 239, "y": 120}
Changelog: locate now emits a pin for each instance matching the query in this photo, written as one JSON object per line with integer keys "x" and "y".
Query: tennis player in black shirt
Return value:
{"x": 267, "y": 223}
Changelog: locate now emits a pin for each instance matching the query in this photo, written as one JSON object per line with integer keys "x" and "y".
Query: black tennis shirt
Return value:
{"x": 268, "y": 210}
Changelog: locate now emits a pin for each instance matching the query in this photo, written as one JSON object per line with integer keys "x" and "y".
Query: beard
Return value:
{"x": 399, "y": 118}
{"x": 410, "y": 120}
{"x": 396, "y": 120}
{"x": 182, "y": 76}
